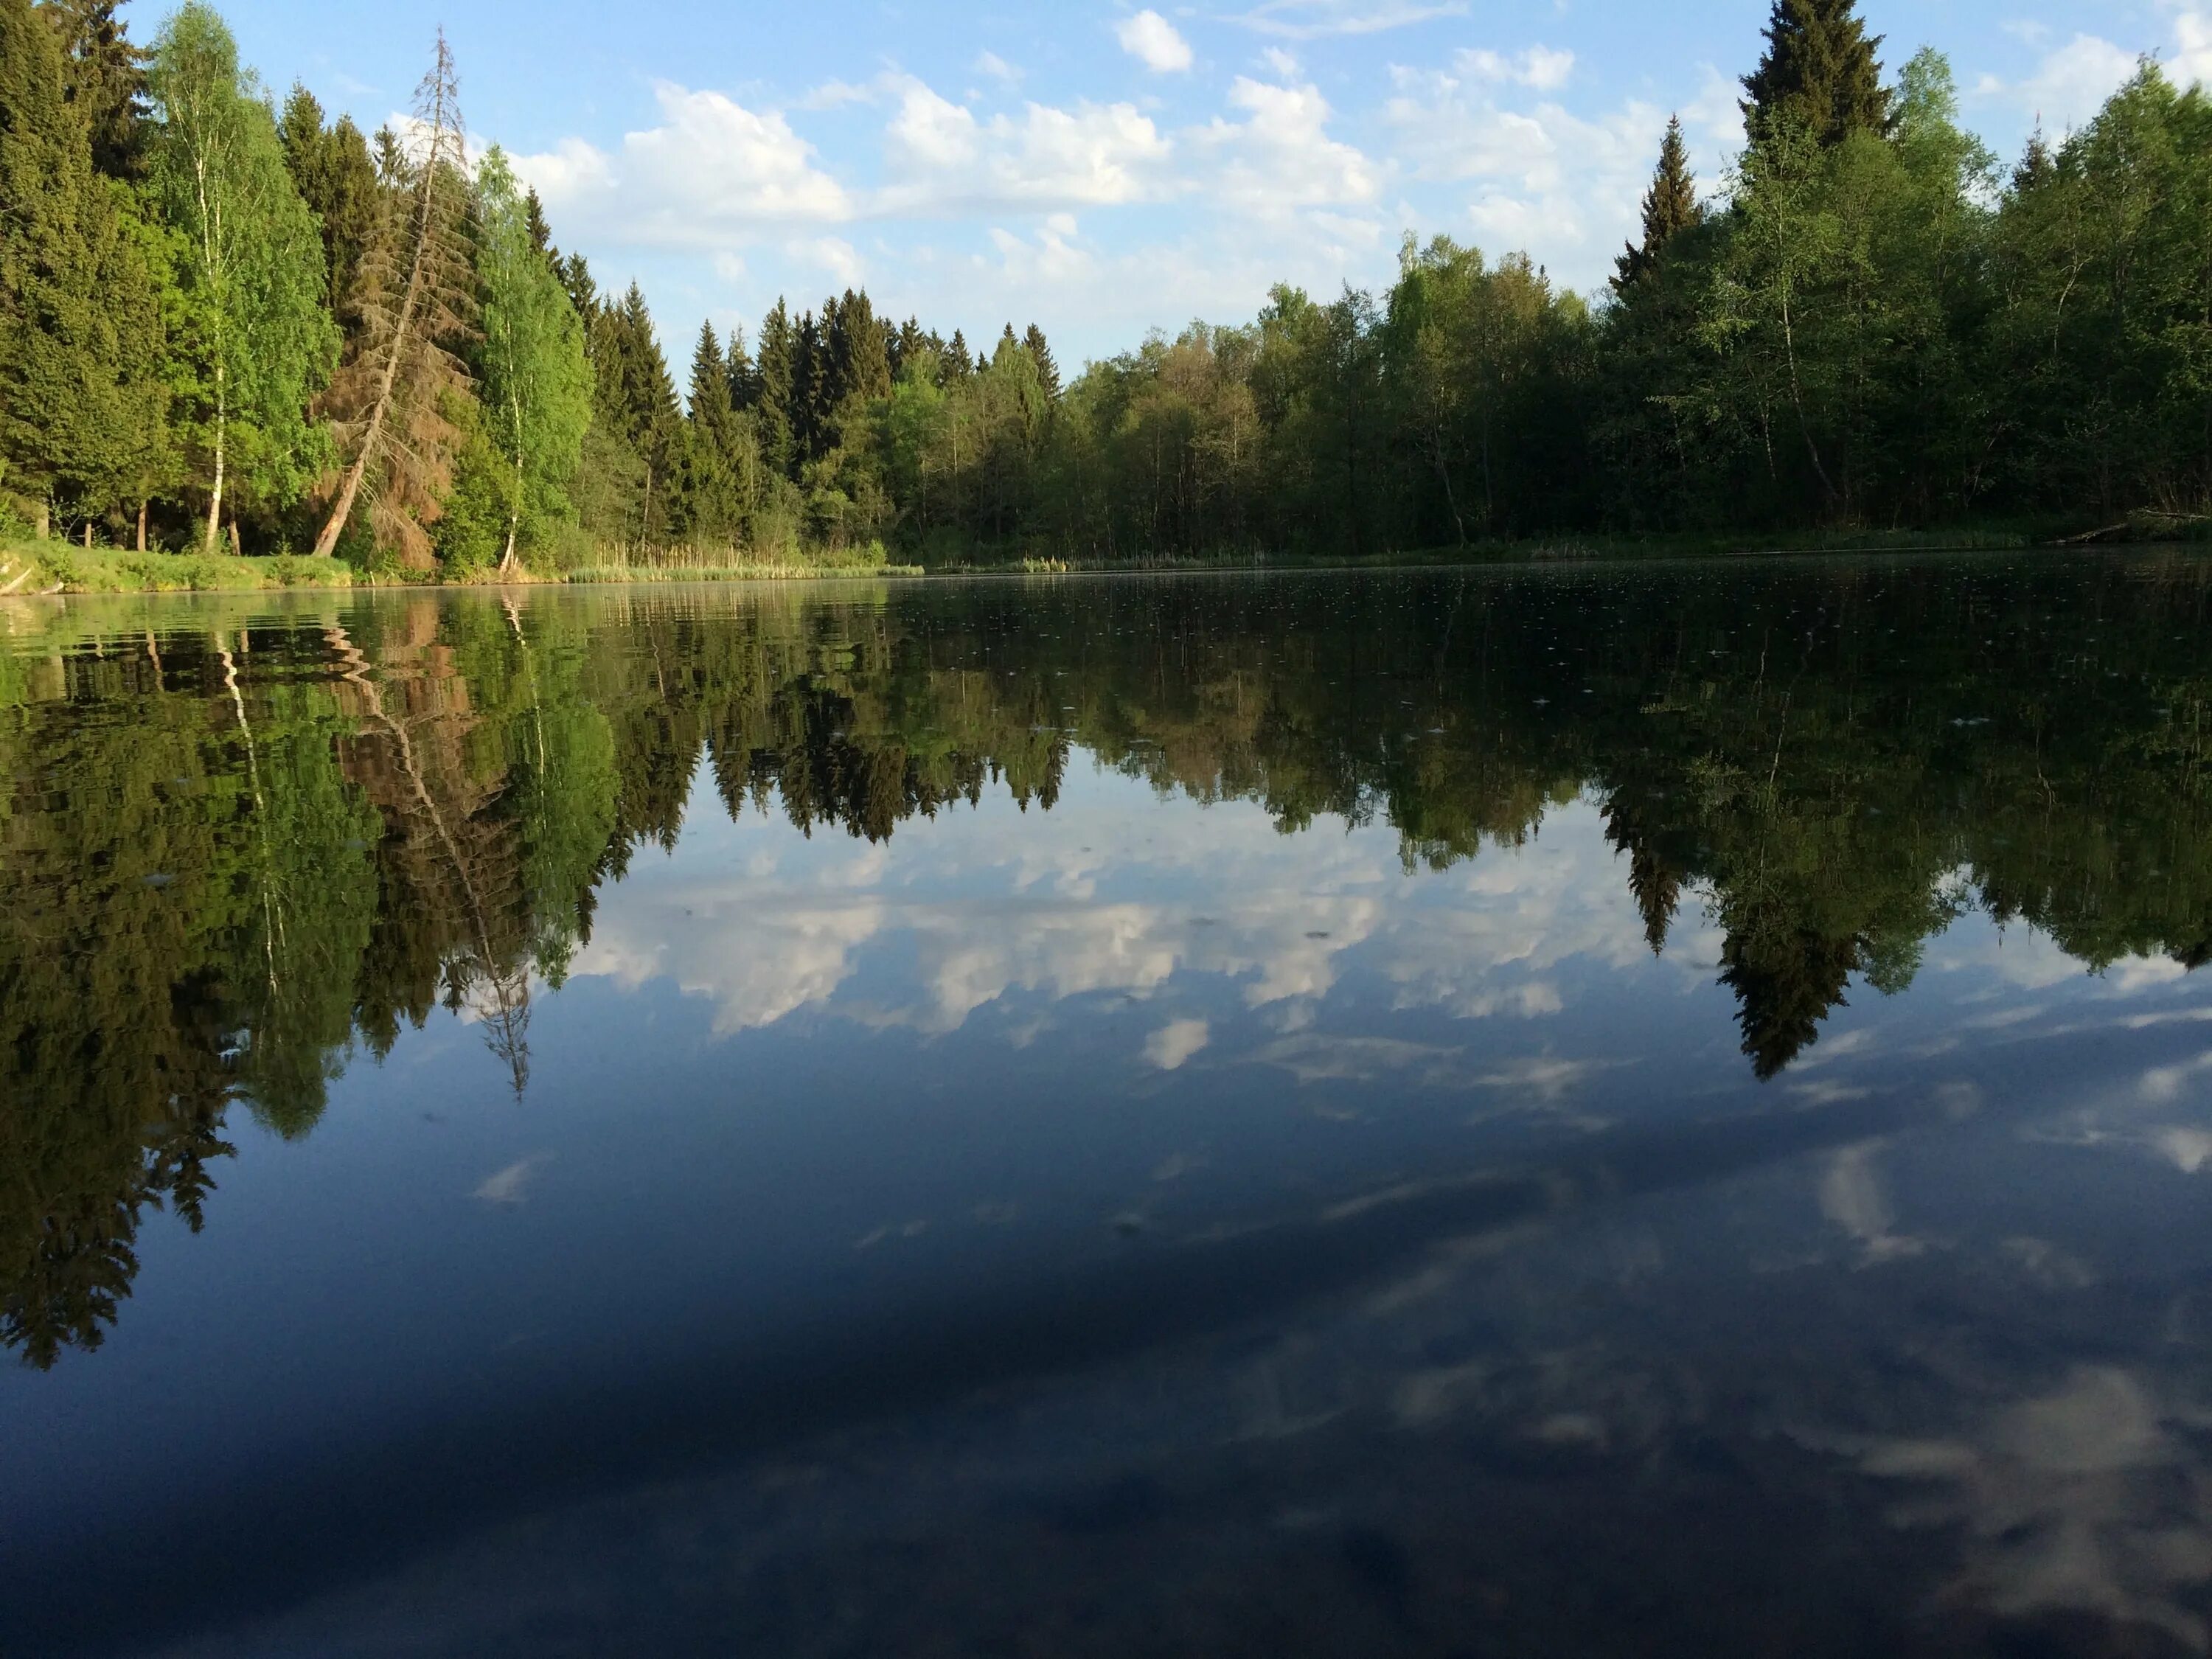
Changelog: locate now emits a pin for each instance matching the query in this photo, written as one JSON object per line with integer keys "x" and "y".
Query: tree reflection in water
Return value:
{"x": 232, "y": 856}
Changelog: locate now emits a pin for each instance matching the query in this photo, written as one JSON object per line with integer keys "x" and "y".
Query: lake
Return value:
{"x": 1592, "y": 1109}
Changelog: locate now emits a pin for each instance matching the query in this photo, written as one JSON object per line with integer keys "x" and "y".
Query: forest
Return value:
{"x": 235, "y": 856}
{"x": 228, "y": 324}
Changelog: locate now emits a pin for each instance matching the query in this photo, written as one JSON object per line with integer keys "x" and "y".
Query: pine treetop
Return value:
{"x": 1670, "y": 207}
{"x": 1820, "y": 69}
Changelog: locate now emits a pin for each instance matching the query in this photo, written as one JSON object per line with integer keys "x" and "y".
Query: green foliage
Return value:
{"x": 336, "y": 177}
{"x": 80, "y": 404}
{"x": 1819, "y": 74}
{"x": 253, "y": 263}
{"x": 536, "y": 385}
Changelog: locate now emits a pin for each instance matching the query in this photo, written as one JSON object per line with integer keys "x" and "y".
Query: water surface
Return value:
{"x": 1660, "y": 1109}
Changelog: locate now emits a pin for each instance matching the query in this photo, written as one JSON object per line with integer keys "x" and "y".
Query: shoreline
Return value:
{"x": 31, "y": 570}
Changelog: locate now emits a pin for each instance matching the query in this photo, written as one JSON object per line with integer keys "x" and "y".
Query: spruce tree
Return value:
{"x": 779, "y": 350}
{"x": 706, "y": 508}
{"x": 866, "y": 351}
{"x": 80, "y": 324}
{"x": 744, "y": 378}
{"x": 335, "y": 176}
{"x": 1819, "y": 70}
{"x": 541, "y": 232}
{"x": 637, "y": 394}
{"x": 1047, "y": 367}
{"x": 957, "y": 364}
{"x": 393, "y": 395}
{"x": 1670, "y": 207}
{"x": 105, "y": 77}
{"x": 810, "y": 374}
{"x": 907, "y": 346}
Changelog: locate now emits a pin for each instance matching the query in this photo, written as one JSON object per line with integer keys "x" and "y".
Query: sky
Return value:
{"x": 1102, "y": 169}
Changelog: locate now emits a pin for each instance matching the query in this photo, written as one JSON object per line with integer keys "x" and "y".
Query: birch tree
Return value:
{"x": 536, "y": 389}
{"x": 253, "y": 264}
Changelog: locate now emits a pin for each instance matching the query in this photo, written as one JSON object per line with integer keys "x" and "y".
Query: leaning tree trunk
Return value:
{"x": 437, "y": 106}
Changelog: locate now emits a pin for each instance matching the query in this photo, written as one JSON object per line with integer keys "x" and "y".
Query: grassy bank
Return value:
{"x": 39, "y": 567}
{"x": 55, "y": 567}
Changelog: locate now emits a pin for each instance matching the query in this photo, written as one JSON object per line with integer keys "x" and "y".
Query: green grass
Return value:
{"x": 750, "y": 570}
{"x": 43, "y": 567}
{"x": 103, "y": 570}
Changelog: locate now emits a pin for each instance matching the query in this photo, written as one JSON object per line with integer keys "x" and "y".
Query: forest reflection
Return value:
{"x": 240, "y": 847}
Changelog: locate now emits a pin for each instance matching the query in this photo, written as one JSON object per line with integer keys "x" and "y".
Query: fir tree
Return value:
{"x": 80, "y": 324}
{"x": 105, "y": 77}
{"x": 1670, "y": 207}
{"x": 1819, "y": 70}
{"x": 709, "y": 508}
{"x": 583, "y": 292}
{"x": 335, "y": 176}
{"x": 957, "y": 365}
{"x": 812, "y": 373}
{"x": 778, "y": 371}
{"x": 417, "y": 303}
{"x": 541, "y": 233}
{"x": 864, "y": 352}
{"x": 907, "y": 345}
{"x": 1047, "y": 367}
{"x": 637, "y": 400}
{"x": 744, "y": 378}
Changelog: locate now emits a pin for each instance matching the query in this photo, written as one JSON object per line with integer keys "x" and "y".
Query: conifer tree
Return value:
{"x": 907, "y": 345}
{"x": 417, "y": 305}
{"x": 335, "y": 176}
{"x": 253, "y": 262}
{"x": 1047, "y": 368}
{"x": 541, "y": 232}
{"x": 105, "y": 77}
{"x": 80, "y": 326}
{"x": 636, "y": 400}
{"x": 810, "y": 389}
{"x": 583, "y": 292}
{"x": 865, "y": 354}
{"x": 536, "y": 387}
{"x": 708, "y": 503}
{"x": 779, "y": 349}
{"x": 1670, "y": 207}
{"x": 957, "y": 364}
{"x": 1819, "y": 70}
{"x": 744, "y": 377}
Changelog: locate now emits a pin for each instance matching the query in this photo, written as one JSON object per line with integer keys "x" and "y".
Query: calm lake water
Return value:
{"x": 1654, "y": 1110}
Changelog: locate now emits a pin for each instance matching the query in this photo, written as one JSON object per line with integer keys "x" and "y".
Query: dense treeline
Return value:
{"x": 231, "y": 857}
{"x": 225, "y": 323}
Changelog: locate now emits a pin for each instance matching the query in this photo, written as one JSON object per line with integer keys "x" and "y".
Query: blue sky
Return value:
{"x": 1102, "y": 169}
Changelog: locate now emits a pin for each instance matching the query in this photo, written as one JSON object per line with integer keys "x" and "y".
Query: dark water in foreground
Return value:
{"x": 1664, "y": 1111}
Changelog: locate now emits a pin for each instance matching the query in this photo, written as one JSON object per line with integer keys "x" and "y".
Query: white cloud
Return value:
{"x": 1153, "y": 41}
{"x": 1308, "y": 19}
{"x": 1561, "y": 186}
{"x": 1280, "y": 156}
{"x": 1538, "y": 67}
{"x": 2192, "y": 47}
{"x": 712, "y": 171}
{"x": 943, "y": 160}
{"x": 2069, "y": 86}
{"x": 1172, "y": 1046}
{"x": 997, "y": 68}
{"x": 510, "y": 1186}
